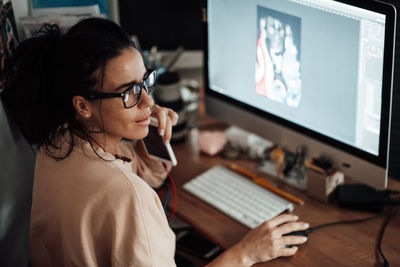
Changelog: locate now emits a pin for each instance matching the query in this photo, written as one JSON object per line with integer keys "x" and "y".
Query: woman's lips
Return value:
{"x": 143, "y": 122}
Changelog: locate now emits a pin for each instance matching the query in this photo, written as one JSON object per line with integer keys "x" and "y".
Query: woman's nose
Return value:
{"x": 145, "y": 100}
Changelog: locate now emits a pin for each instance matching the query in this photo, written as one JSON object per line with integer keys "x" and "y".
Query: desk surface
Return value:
{"x": 342, "y": 245}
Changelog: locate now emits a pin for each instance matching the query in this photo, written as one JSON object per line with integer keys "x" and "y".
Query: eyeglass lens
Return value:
{"x": 132, "y": 95}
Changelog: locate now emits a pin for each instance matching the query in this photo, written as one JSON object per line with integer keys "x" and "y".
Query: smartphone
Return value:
{"x": 155, "y": 146}
{"x": 192, "y": 242}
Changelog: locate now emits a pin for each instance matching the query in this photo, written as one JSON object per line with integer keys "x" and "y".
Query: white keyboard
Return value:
{"x": 236, "y": 196}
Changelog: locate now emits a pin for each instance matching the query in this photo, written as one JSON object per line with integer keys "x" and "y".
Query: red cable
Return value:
{"x": 174, "y": 191}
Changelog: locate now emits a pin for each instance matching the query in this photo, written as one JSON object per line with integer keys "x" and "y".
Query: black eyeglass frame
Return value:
{"x": 95, "y": 95}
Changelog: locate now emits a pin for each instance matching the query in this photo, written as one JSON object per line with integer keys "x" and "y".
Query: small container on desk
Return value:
{"x": 322, "y": 183}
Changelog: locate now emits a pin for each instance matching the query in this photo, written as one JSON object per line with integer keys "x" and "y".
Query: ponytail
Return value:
{"x": 30, "y": 91}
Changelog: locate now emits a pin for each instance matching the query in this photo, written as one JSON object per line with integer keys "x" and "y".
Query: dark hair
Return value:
{"x": 50, "y": 68}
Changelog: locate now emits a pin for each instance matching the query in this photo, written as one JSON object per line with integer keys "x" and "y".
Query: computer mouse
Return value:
{"x": 298, "y": 233}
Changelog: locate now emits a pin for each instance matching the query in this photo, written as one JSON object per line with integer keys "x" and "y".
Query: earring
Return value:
{"x": 87, "y": 114}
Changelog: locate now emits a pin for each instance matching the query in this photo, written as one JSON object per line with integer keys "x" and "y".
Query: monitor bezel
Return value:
{"x": 387, "y": 84}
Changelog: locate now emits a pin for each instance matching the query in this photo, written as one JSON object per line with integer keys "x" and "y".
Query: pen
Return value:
{"x": 152, "y": 57}
{"x": 135, "y": 40}
{"x": 267, "y": 185}
{"x": 173, "y": 58}
{"x": 311, "y": 166}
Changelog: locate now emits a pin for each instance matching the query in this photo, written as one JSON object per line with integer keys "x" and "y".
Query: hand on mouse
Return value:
{"x": 264, "y": 243}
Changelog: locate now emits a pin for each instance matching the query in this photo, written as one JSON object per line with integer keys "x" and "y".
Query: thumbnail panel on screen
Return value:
{"x": 277, "y": 73}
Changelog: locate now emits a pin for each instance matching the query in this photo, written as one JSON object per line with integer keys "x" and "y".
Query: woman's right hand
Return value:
{"x": 266, "y": 242}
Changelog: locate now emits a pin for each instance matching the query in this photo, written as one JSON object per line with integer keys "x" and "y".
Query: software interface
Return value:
{"x": 317, "y": 63}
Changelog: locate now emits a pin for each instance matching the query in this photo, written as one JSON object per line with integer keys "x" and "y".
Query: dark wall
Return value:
{"x": 167, "y": 24}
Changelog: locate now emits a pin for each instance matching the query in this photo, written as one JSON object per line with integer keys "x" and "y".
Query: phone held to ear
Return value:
{"x": 192, "y": 242}
{"x": 155, "y": 146}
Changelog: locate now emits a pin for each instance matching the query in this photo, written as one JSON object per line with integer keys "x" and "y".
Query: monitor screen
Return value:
{"x": 322, "y": 68}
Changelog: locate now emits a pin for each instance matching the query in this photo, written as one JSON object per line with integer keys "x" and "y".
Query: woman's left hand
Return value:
{"x": 166, "y": 119}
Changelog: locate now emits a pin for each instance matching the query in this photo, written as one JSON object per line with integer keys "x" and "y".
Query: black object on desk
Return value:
{"x": 362, "y": 197}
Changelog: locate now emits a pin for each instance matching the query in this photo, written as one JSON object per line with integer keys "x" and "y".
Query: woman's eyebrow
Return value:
{"x": 124, "y": 85}
{"x": 129, "y": 83}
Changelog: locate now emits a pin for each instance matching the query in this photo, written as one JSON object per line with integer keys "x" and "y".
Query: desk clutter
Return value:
{"x": 321, "y": 182}
{"x": 316, "y": 176}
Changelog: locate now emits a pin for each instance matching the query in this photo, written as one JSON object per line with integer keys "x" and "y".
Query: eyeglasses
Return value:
{"x": 131, "y": 96}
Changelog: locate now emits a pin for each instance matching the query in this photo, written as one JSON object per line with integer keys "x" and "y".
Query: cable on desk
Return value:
{"x": 388, "y": 218}
{"x": 344, "y": 222}
{"x": 312, "y": 229}
{"x": 392, "y": 192}
{"x": 391, "y": 202}
{"x": 393, "y": 214}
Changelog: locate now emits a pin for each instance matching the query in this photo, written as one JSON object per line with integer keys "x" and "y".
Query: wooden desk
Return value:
{"x": 342, "y": 245}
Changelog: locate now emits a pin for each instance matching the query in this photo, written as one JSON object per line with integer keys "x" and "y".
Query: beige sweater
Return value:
{"x": 91, "y": 212}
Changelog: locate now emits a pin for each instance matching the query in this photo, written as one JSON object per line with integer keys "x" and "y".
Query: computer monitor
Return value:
{"x": 317, "y": 73}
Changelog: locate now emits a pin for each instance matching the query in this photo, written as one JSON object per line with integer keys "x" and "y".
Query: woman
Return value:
{"x": 77, "y": 96}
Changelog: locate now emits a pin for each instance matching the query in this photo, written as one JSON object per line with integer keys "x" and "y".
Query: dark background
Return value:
{"x": 169, "y": 24}
{"x": 166, "y": 24}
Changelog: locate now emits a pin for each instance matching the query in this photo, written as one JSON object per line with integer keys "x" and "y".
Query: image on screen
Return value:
{"x": 278, "y": 57}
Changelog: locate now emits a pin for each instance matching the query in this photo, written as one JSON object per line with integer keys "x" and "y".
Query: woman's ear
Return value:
{"x": 82, "y": 106}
